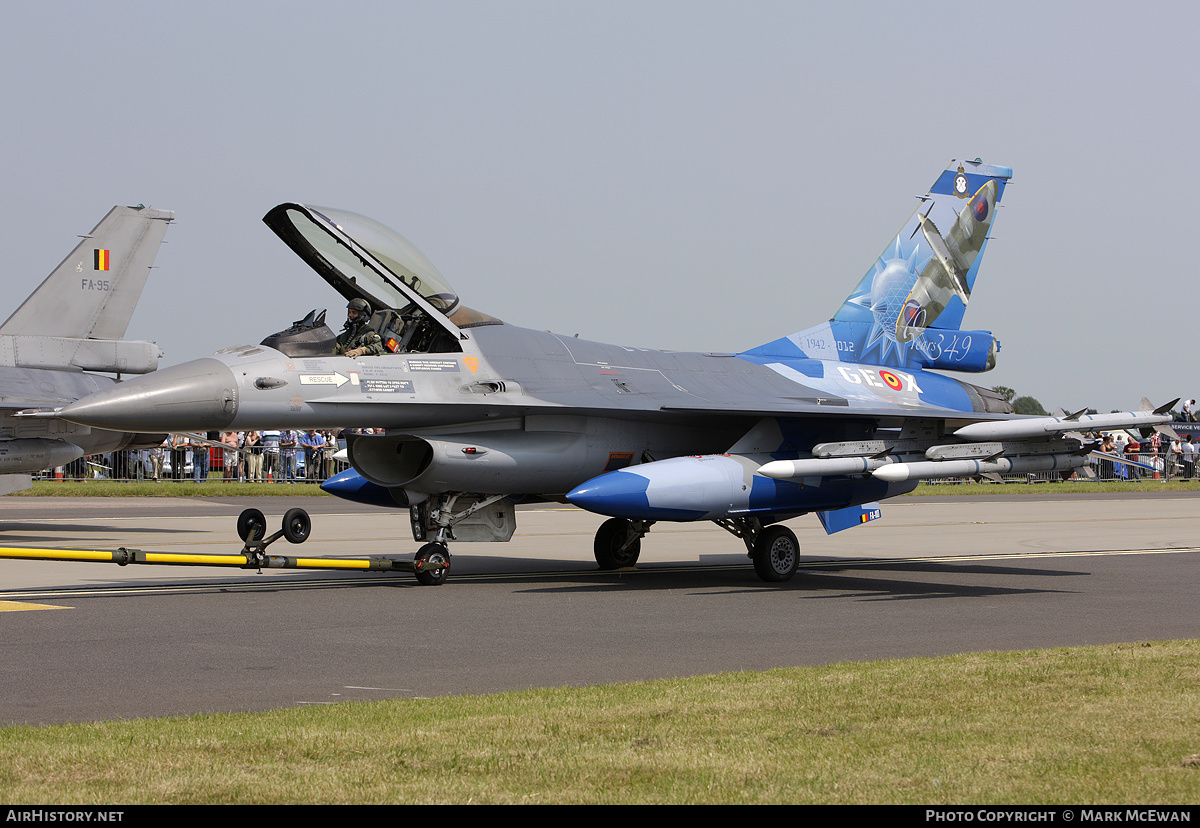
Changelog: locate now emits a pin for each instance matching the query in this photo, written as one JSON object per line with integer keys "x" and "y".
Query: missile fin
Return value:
{"x": 1163, "y": 409}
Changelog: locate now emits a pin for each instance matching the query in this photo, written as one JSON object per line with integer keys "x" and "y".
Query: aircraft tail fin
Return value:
{"x": 907, "y": 310}
{"x": 93, "y": 292}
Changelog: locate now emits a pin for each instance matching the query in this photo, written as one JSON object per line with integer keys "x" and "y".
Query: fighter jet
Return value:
{"x": 71, "y": 325}
{"x": 479, "y": 414}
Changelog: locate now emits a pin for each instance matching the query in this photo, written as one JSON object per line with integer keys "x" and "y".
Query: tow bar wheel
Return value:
{"x": 251, "y": 525}
{"x": 297, "y": 525}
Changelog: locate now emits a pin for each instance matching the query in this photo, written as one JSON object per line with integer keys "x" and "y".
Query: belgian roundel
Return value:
{"x": 892, "y": 380}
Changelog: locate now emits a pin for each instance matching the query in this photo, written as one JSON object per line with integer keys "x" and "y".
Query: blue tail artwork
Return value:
{"x": 906, "y": 311}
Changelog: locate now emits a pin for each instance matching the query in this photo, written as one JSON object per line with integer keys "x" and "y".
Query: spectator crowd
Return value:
{"x": 284, "y": 456}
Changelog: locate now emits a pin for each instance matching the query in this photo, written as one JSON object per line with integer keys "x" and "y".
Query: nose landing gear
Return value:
{"x": 432, "y": 564}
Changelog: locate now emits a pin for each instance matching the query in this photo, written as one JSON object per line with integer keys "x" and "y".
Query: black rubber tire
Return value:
{"x": 297, "y": 525}
{"x": 433, "y": 577}
{"x": 609, "y": 538}
{"x": 776, "y": 554}
{"x": 251, "y": 525}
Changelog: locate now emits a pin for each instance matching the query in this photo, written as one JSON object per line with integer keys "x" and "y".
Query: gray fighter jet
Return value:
{"x": 479, "y": 414}
{"x": 71, "y": 325}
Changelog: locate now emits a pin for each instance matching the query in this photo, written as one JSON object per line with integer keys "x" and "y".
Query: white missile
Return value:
{"x": 1014, "y": 448}
{"x": 1042, "y": 426}
{"x": 792, "y": 469}
{"x": 898, "y": 472}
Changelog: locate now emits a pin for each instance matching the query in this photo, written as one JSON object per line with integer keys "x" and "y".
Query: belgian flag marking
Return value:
{"x": 101, "y": 259}
{"x": 892, "y": 380}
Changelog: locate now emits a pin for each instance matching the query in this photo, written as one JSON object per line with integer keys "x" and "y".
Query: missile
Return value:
{"x": 1041, "y": 426}
{"x": 828, "y": 466}
{"x": 925, "y": 470}
{"x": 793, "y": 469}
{"x": 1015, "y": 448}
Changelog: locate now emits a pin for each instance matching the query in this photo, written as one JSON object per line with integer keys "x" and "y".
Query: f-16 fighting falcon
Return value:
{"x": 479, "y": 414}
{"x": 74, "y": 323}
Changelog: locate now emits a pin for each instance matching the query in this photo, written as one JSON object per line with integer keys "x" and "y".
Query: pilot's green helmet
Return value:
{"x": 360, "y": 305}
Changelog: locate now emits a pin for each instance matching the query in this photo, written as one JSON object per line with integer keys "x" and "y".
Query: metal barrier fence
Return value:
{"x": 168, "y": 464}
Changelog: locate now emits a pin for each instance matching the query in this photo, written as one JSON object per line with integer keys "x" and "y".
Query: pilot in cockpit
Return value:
{"x": 356, "y": 338}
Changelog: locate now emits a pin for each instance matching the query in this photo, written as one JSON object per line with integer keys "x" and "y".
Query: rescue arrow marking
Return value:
{"x": 335, "y": 379}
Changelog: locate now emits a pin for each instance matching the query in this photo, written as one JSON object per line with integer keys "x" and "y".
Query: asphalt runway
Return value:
{"x": 935, "y": 576}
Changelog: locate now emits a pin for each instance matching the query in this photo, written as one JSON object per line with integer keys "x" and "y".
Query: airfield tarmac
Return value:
{"x": 935, "y": 576}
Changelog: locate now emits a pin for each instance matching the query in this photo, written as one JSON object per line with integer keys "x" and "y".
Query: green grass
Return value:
{"x": 1115, "y": 724}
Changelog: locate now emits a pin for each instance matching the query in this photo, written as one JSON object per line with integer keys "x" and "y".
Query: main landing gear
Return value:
{"x": 774, "y": 549}
{"x": 619, "y": 542}
{"x": 776, "y": 554}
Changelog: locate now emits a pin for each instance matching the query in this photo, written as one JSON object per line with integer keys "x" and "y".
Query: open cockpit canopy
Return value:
{"x": 334, "y": 242}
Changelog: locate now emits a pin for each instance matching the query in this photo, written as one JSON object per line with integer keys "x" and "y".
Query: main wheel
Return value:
{"x": 251, "y": 525}
{"x": 297, "y": 525}
{"x": 432, "y": 553}
{"x": 610, "y": 538}
{"x": 776, "y": 554}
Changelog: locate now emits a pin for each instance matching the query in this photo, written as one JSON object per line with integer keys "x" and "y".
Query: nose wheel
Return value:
{"x": 432, "y": 564}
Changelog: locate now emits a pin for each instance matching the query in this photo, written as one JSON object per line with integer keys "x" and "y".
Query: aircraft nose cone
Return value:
{"x": 201, "y": 395}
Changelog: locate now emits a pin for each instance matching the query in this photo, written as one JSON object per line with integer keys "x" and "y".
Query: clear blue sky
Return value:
{"x": 688, "y": 175}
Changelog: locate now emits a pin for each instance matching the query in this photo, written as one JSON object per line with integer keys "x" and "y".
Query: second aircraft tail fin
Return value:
{"x": 93, "y": 292}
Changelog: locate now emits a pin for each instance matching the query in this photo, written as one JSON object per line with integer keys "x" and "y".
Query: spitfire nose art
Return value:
{"x": 196, "y": 395}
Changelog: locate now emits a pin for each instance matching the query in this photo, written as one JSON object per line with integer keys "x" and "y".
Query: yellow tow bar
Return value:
{"x": 124, "y": 557}
{"x": 430, "y": 565}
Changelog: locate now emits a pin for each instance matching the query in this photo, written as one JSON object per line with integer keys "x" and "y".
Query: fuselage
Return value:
{"x": 525, "y": 411}
{"x": 503, "y": 372}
